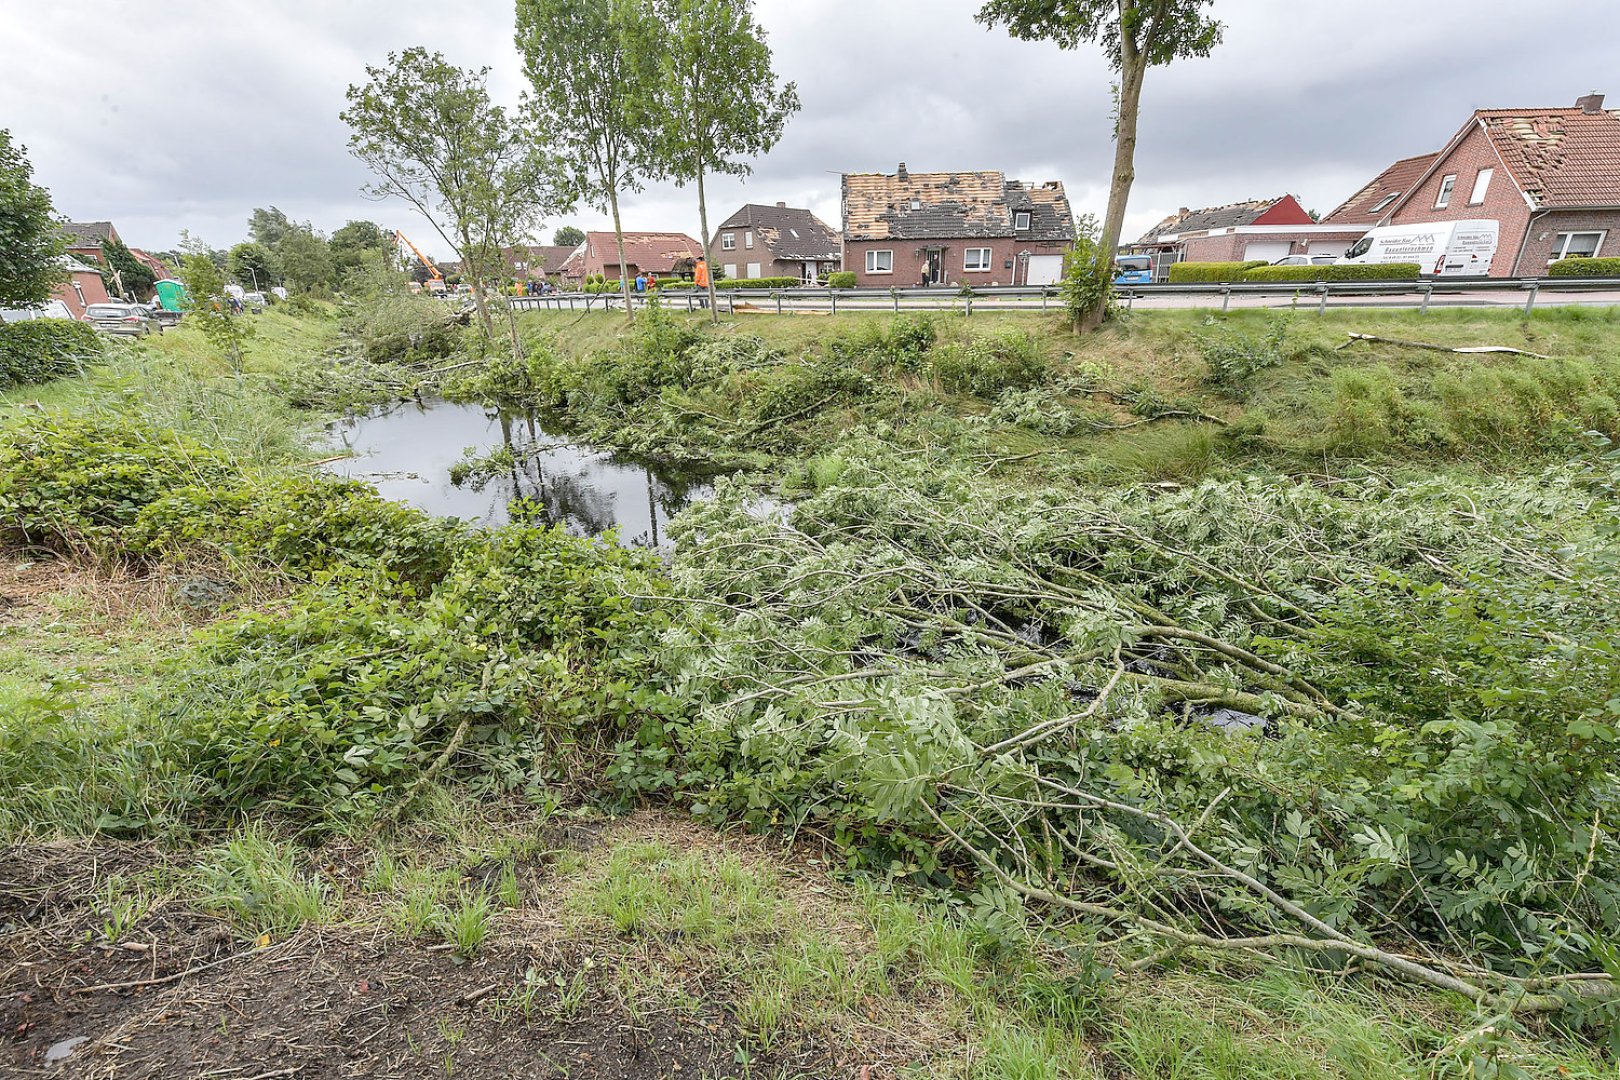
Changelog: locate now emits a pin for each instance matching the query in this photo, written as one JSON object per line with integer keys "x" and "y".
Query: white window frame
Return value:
{"x": 753, "y": 271}
{"x": 986, "y": 265}
{"x": 748, "y": 239}
{"x": 872, "y": 260}
{"x": 1561, "y": 243}
{"x": 1384, "y": 203}
{"x": 728, "y": 241}
{"x": 1020, "y": 220}
{"x": 1448, "y": 186}
{"x": 731, "y": 271}
{"x": 1482, "y": 184}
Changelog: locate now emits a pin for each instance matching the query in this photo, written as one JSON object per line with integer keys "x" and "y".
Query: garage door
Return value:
{"x": 1044, "y": 269}
{"x": 1269, "y": 250}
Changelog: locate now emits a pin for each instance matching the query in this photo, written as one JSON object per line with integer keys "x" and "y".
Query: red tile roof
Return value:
{"x": 659, "y": 252}
{"x": 1369, "y": 205}
{"x": 1561, "y": 158}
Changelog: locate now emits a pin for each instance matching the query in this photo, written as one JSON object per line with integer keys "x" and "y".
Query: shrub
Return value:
{"x": 1235, "y": 358}
{"x": 841, "y": 279}
{"x": 405, "y": 330}
{"x": 986, "y": 366}
{"x": 1354, "y": 272}
{"x": 764, "y": 283}
{"x": 1189, "y": 272}
{"x": 40, "y": 350}
{"x": 1579, "y": 267}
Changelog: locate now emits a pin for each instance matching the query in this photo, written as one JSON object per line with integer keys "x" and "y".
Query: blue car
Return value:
{"x": 1133, "y": 270}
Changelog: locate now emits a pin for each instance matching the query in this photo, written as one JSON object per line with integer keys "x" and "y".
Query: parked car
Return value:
{"x": 255, "y": 302}
{"x": 131, "y": 320}
{"x": 50, "y": 309}
{"x": 1133, "y": 270}
{"x": 163, "y": 315}
{"x": 1306, "y": 260}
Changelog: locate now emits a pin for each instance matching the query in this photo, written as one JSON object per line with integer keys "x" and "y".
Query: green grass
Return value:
{"x": 255, "y": 879}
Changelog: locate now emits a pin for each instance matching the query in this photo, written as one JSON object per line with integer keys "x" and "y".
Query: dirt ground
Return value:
{"x": 183, "y": 996}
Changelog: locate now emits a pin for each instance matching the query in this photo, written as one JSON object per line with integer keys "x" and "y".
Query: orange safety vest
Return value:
{"x": 700, "y": 275}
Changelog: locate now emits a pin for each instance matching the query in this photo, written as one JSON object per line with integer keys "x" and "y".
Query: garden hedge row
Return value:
{"x": 1353, "y": 272}
{"x": 841, "y": 279}
{"x": 1192, "y": 272}
{"x": 1579, "y": 267}
{"x": 39, "y": 350}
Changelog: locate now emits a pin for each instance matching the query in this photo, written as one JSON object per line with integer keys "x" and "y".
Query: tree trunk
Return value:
{"x": 511, "y": 324}
{"x": 1133, "y": 68}
{"x": 475, "y": 270}
{"x": 618, "y": 236}
{"x": 703, "y": 220}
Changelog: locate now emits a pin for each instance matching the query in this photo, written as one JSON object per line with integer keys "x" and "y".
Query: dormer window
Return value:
{"x": 916, "y": 204}
{"x": 1383, "y": 204}
{"x": 1021, "y": 221}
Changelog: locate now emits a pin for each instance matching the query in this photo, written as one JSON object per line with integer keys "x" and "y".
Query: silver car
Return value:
{"x": 131, "y": 320}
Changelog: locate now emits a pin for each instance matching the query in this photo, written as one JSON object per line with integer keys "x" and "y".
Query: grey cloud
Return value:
{"x": 194, "y": 118}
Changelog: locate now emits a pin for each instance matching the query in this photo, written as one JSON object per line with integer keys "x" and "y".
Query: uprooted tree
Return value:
{"x": 1135, "y": 35}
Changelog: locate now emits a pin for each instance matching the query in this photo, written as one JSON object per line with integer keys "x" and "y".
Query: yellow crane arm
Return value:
{"x": 433, "y": 271}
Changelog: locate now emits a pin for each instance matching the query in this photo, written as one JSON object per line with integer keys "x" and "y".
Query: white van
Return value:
{"x": 1441, "y": 248}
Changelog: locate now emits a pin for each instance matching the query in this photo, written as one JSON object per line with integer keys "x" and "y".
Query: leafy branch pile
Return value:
{"x": 1373, "y": 722}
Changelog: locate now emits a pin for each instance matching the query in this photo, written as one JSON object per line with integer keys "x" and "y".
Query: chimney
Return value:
{"x": 902, "y": 173}
{"x": 1185, "y": 210}
{"x": 780, "y": 205}
{"x": 1591, "y": 104}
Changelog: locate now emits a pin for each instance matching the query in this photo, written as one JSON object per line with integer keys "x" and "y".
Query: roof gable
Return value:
{"x": 1560, "y": 158}
{"x": 787, "y": 232}
{"x": 1228, "y": 217}
{"x": 948, "y": 205}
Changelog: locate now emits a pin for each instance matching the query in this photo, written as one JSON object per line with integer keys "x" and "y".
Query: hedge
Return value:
{"x": 1189, "y": 272}
{"x": 43, "y": 349}
{"x": 841, "y": 279}
{"x": 762, "y": 283}
{"x": 1335, "y": 272}
{"x": 1584, "y": 267}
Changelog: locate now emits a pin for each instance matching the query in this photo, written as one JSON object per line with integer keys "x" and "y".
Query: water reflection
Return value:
{"x": 407, "y": 452}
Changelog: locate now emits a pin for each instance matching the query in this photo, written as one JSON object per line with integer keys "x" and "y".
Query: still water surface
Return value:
{"x": 407, "y": 452}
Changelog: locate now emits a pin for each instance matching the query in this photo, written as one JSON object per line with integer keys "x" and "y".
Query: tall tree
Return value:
{"x": 253, "y": 265}
{"x": 31, "y": 242}
{"x": 306, "y": 261}
{"x": 721, "y": 102}
{"x": 594, "y": 72}
{"x": 433, "y": 137}
{"x": 1135, "y": 35}
{"x": 568, "y": 236}
{"x": 355, "y": 245}
{"x": 269, "y": 227}
{"x": 127, "y": 275}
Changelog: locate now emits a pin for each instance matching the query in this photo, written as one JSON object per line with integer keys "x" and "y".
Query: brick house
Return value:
{"x": 1367, "y": 207}
{"x": 659, "y": 253}
{"x": 775, "y": 241}
{"x": 1550, "y": 178}
{"x": 81, "y": 288}
{"x": 948, "y": 228}
{"x": 537, "y": 262}
{"x": 1268, "y": 229}
{"x": 85, "y": 238}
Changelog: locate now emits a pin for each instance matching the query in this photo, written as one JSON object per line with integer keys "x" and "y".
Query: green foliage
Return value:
{"x": 256, "y": 880}
{"x": 765, "y": 283}
{"x": 1335, "y": 272}
{"x": 1579, "y": 267}
{"x": 209, "y": 311}
{"x": 39, "y": 350}
{"x": 268, "y": 227}
{"x": 306, "y": 260}
{"x": 990, "y": 364}
{"x": 1088, "y": 274}
{"x": 135, "y": 276}
{"x": 1191, "y": 272}
{"x": 1235, "y": 358}
{"x": 253, "y": 265}
{"x": 568, "y": 236}
{"x": 841, "y": 279}
{"x": 31, "y": 244}
{"x": 405, "y": 329}
{"x": 354, "y": 246}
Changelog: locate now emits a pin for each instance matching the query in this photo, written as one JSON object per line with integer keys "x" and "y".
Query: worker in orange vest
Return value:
{"x": 700, "y": 275}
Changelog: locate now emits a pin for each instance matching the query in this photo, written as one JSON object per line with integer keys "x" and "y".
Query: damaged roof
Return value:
{"x": 945, "y": 205}
{"x": 1374, "y": 201}
{"x": 1213, "y": 217}
{"x": 788, "y": 232}
{"x": 1561, "y": 158}
{"x": 659, "y": 252}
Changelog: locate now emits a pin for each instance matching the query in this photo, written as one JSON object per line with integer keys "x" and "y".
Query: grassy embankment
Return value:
{"x": 682, "y": 939}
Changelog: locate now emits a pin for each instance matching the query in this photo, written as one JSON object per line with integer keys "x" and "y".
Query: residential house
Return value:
{"x": 775, "y": 241}
{"x": 1257, "y": 229}
{"x": 537, "y": 262}
{"x": 1367, "y": 207}
{"x": 660, "y": 253}
{"x": 939, "y": 228}
{"x": 1549, "y": 177}
{"x": 81, "y": 288}
{"x": 85, "y": 238}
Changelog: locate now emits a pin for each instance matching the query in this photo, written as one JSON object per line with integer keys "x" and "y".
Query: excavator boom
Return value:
{"x": 433, "y": 271}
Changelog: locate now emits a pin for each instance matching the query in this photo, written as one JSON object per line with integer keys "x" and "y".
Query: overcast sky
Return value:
{"x": 189, "y": 113}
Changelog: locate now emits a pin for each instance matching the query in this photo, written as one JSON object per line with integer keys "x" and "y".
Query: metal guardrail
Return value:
{"x": 1469, "y": 292}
